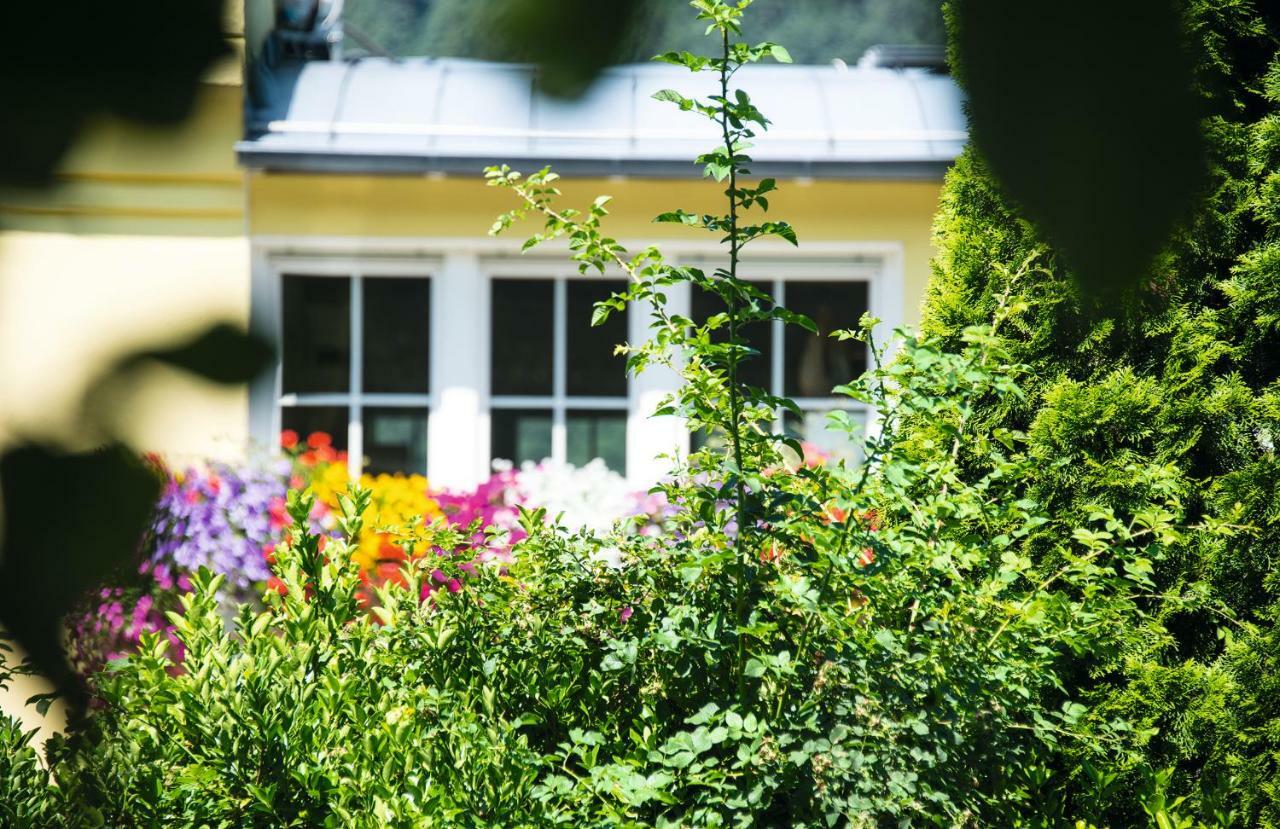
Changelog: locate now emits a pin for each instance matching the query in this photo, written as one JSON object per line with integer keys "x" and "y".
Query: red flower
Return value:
{"x": 278, "y": 586}
{"x": 867, "y": 557}
{"x": 326, "y": 454}
{"x": 319, "y": 440}
{"x": 288, "y": 439}
{"x": 391, "y": 573}
{"x": 277, "y": 511}
{"x": 772, "y": 551}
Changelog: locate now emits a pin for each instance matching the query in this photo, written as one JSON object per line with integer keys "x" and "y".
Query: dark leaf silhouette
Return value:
{"x": 71, "y": 520}
{"x": 570, "y": 40}
{"x": 1086, "y": 114}
{"x": 222, "y": 353}
{"x": 141, "y": 60}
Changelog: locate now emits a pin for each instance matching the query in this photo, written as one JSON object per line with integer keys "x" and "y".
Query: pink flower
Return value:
{"x": 625, "y": 614}
{"x": 454, "y": 585}
{"x": 438, "y": 576}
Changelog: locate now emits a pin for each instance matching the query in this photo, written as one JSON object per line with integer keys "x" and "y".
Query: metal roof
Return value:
{"x": 450, "y": 115}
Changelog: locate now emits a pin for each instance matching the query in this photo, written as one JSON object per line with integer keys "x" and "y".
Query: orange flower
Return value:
{"x": 771, "y": 551}
{"x": 319, "y": 440}
{"x": 867, "y": 557}
{"x": 288, "y": 439}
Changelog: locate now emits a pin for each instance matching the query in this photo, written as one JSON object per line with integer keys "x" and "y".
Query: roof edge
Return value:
{"x": 255, "y": 157}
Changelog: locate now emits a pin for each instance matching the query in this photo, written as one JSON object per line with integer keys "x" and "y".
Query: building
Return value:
{"x": 338, "y": 207}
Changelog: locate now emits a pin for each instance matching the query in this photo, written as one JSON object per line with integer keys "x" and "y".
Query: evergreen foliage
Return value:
{"x": 1185, "y": 376}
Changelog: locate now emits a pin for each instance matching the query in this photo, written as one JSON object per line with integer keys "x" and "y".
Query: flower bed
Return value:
{"x": 231, "y": 518}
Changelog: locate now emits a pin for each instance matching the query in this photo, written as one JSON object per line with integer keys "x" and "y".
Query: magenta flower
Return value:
{"x": 625, "y": 613}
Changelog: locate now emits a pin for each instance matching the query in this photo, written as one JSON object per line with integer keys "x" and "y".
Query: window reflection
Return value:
{"x": 520, "y": 435}
{"x": 395, "y": 440}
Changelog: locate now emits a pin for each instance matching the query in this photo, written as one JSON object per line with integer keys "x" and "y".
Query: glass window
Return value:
{"x": 521, "y": 435}
{"x": 522, "y": 334}
{"x": 811, "y": 365}
{"x": 593, "y": 369}
{"x": 817, "y": 364}
{"x": 392, "y": 358}
{"x": 545, "y": 358}
{"x": 395, "y": 439}
{"x": 397, "y": 343}
{"x": 597, "y": 434}
{"x": 317, "y": 334}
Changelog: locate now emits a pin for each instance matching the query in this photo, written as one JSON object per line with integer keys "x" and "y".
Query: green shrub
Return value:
{"x": 894, "y": 643}
{"x": 1184, "y": 376}
{"x": 894, "y": 660}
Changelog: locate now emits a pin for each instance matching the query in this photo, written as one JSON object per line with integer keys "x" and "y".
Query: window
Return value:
{"x": 356, "y": 364}
{"x": 556, "y": 389}
{"x": 797, "y": 364}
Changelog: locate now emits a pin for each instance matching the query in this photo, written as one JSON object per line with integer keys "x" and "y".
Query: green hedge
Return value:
{"x": 1184, "y": 375}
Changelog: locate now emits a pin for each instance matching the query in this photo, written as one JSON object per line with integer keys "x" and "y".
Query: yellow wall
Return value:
{"x": 368, "y": 206}
{"x": 140, "y": 239}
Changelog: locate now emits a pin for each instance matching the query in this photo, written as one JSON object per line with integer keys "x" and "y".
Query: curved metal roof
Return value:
{"x": 451, "y": 115}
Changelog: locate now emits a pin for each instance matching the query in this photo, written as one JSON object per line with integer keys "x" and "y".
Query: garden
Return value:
{"x": 1046, "y": 596}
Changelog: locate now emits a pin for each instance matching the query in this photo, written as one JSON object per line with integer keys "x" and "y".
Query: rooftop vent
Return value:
{"x": 902, "y": 56}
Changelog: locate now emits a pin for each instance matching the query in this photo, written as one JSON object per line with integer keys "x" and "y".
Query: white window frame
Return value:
{"x": 355, "y": 399}
{"x": 461, "y": 268}
{"x": 559, "y": 402}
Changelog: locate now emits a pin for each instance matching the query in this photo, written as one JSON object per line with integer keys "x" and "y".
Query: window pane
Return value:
{"x": 332, "y": 420}
{"x": 597, "y": 434}
{"x": 817, "y": 364}
{"x": 593, "y": 369}
{"x": 397, "y": 314}
{"x": 317, "y": 334}
{"x": 520, "y": 435}
{"x": 835, "y": 445}
{"x": 755, "y": 371}
{"x": 522, "y": 345}
{"x": 395, "y": 440}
